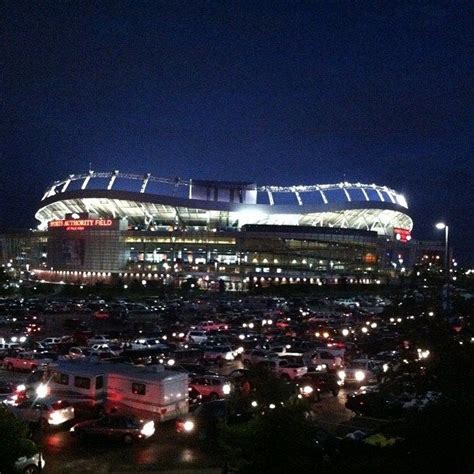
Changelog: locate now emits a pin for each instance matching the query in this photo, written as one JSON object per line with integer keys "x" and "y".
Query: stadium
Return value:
{"x": 115, "y": 227}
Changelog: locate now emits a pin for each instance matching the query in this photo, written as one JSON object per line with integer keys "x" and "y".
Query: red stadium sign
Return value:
{"x": 81, "y": 224}
{"x": 403, "y": 235}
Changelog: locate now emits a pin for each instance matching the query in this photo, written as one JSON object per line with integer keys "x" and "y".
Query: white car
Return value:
{"x": 47, "y": 411}
{"x": 49, "y": 341}
{"x": 99, "y": 339}
{"x": 258, "y": 355}
{"x": 316, "y": 358}
{"x": 147, "y": 343}
{"x": 30, "y": 465}
{"x": 78, "y": 353}
{"x": 196, "y": 336}
{"x": 361, "y": 371}
{"x": 219, "y": 354}
{"x": 290, "y": 368}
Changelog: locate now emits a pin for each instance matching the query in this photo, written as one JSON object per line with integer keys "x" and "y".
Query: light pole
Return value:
{"x": 443, "y": 226}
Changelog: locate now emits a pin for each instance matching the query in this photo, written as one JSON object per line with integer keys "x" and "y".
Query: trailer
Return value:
{"x": 150, "y": 392}
{"x": 83, "y": 384}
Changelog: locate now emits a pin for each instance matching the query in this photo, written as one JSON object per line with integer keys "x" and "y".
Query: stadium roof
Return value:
{"x": 149, "y": 200}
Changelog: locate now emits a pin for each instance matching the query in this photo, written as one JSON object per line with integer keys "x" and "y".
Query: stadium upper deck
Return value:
{"x": 146, "y": 200}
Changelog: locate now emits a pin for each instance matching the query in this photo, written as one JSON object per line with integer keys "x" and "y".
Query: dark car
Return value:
{"x": 325, "y": 444}
{"x": 313, "y": 384}
{"x": 7, "y": 390}
{"x": 374, "y": 403}
{"x": 203, "y": 421}
{"x": 116, "y": 427}
{"x": 193, "y": 369}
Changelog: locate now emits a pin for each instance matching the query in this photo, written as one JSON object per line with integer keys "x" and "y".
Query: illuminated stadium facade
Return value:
{"x": 117, "y": 227}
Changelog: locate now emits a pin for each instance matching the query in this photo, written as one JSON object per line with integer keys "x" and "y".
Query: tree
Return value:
{"x": 278, "y": 441}
{"x": 15, "y": 442}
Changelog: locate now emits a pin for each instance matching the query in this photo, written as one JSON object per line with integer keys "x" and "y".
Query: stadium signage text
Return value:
{"x": 81, "y": 224}
{"x": 403, "y": 235}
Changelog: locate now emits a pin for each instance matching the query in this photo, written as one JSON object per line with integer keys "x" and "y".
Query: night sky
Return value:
{"x": 273, "y": 92}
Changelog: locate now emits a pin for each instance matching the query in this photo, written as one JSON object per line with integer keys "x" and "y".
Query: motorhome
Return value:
{"x": 100, "y": 386}
{"x": 152, "y": 393}
{"x": 83, "y": 384}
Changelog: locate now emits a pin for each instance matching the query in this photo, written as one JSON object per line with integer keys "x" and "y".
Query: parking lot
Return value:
{"x": 315, "y": 341}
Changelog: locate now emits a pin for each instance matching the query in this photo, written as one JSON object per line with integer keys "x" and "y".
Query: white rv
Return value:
{"x": 100, "y": 386}
{"x": 83, "y": 384}
{"x": 152, "y": 393}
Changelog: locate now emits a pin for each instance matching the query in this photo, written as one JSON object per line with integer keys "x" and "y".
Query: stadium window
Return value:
{"x": 138, "y": 388}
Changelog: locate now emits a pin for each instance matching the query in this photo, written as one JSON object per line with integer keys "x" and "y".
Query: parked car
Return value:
{"x": 373, "y": 402}
{"x": 211, "y": 387}
{"x": 212, "y": 326}
{"x": 258, "y": 355}
{"x": 147, "y": 343}
{"x": 322, "y": 357}
{"x": 7, "y": 390}
{"x": 50, "y": 341}
{"x": 48, "y": 411}
{"x": 362, "y": 371}
{"x": 27, "y": 361}
{"x": 203, "y": 421}
{"x": 219, "y": 354}
{"x": 98, "y": 339}
{"x": 30, "y": 464}
{"x": 116, "y": 427}
{"x": 313, "y": 384}
{"x": 193, "y": 369}
{"x": 196, "y": 336}
{"x": 285, "y": 368}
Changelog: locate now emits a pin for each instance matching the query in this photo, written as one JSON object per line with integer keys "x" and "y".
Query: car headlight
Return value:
{"x": 341, "y": 374}
{"x": 56, "y": 418}
{"x": 42, "y": 390}
{"x": 148, "y": 428}
{"x": 72, "y": 429}
{"x": 21, "y": 387}
{"x": 385, "y": 367}
{"x": 188, "y": 426}
{"x": 307, "y": 390}
{"x": 359, "y": 376}
{"x": 226, "y": 389}
{"x": 229, "y": 356}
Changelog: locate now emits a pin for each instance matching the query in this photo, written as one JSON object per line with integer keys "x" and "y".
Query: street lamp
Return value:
{"x": 445, "y": 227}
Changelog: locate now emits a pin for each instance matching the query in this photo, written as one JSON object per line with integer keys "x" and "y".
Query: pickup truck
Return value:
{"x": 284, "y": 368}
{"x": 27, "y": 361}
